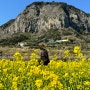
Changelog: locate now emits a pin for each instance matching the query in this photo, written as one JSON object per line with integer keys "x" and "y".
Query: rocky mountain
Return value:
{"x": 39, "y": 17}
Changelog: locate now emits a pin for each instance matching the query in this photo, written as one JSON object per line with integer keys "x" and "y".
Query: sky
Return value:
{"x": 10, "y": 9}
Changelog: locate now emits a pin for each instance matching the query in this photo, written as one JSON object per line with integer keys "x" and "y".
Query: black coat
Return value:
{"x": 44, "y": 56}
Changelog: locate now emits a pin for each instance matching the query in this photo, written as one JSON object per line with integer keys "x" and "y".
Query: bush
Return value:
{"x": 13, "y": 40}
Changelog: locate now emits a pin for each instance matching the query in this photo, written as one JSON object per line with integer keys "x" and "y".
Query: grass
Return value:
{"x": 8, "y": 52}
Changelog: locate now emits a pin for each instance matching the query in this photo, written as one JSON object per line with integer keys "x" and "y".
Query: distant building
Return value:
{"x": 60, "y": 41}
{"x": 22, "y": 44}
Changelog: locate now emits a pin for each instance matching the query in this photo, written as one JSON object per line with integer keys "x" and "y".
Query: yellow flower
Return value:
{"x": 71, "y": 81}
{"x": 83, "y": 59}
{"x": 38, "y": 83}
{"x": 60, "y": 86}
{"x": 81, "y": 72}
{"x": 34, "y": 56}
{"x": 46, "y": 88}
{"x": 55, "y": 57}
{"x": 16, "y": 88}
{"x": 36, "y": 50}
{"x": 53, "y": 83}
{"x": 37, "y": 71}
{"x": 86, "y": 83}
{"x": 79, "y": 87}
{"x": 20, "y": 69}
{"x": 14, "y": 85}
{"x": 18, "y": 56}
{"x": 29, "y": 73}
{"x": 80, "y": 54}
{"x": 67, "y": 52}
{"x": 5, "y": 70}
{"x": 59, "y": 64}
{"x": 15, "y": 79}
{"x": 76, "y": 49}
{"x": 45, "y": 74}
{"x": 66, "y": 75}
{"x": 53, "y": 76}
{"x": 88, "y": 59}
{"x": 1, "y": 86}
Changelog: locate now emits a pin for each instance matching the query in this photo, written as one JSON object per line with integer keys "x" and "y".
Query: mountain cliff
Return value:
{"x": 39, "y": 17}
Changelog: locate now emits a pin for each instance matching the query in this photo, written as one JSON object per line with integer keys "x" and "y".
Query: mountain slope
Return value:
{"x": 39, "y": 17}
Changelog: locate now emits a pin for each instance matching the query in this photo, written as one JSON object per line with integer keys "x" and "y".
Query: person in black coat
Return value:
{"x": 44, "y": 56}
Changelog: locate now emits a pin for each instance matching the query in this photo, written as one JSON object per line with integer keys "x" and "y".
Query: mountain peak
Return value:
{"x": 40, "y": 17}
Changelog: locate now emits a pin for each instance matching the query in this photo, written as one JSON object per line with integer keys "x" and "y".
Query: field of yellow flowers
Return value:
{"x": 19, "y": 74}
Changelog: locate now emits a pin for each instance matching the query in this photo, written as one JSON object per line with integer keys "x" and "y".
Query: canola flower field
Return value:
{"x": 63, "y": 74}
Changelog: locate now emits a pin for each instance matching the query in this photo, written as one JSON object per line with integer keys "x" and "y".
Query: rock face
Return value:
{"x": 41, "y": 16}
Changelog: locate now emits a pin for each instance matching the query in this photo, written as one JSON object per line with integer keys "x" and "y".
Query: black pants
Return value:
{"x": 46, "y": 62}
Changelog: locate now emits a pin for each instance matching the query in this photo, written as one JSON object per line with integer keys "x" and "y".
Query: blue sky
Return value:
{"x": 9, "y": 9}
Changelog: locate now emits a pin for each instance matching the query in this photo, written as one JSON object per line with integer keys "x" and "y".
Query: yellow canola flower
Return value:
{"x": 87, "y": 83}
{"x": 59, "y": 64}
{"x": 79, "y": 87}
{"x": 46, "y": 88}
{"x": 55, "y": 57}
{"x": 15, "y": 79}
{"x": 76, "y": 49}
{"x": 34, "y": 56}
{"x": 16, "y": 88}
{"x": 5, "y": 70}
{"x": 53, "y": 76}
{"x": 29, "y": 73}
{"x": 18, "y": 56}
{"x": 35, "y": 70}
{"x": 1, "y": 86}
{"x": 66, "y": 75}
{"x": 36, "y": 50}
{"x": 80, "y": 54}
{"x": 45, "y": 74}
{"x": 71, "y": 80}
{"x": 52, "y": 64}
{"x": 38, "y": 83}
{"x": 21, "y": 69}
{"x": 88, "y": 59}
{"x": 83, "y": 59}
{"x": 53, "y": 83}
{"x": 67, "y": 52}
{"x": 60, "y": 85}
{"x": 5, "y": 64}
{"x": 81, "y": 73}
{"x": 14, "y": 85}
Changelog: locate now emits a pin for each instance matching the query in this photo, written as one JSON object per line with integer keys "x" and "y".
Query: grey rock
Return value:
{"x": 41, "y": 16}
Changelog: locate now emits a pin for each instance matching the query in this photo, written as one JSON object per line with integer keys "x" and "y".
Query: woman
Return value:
{"x": 44, "y": 56}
